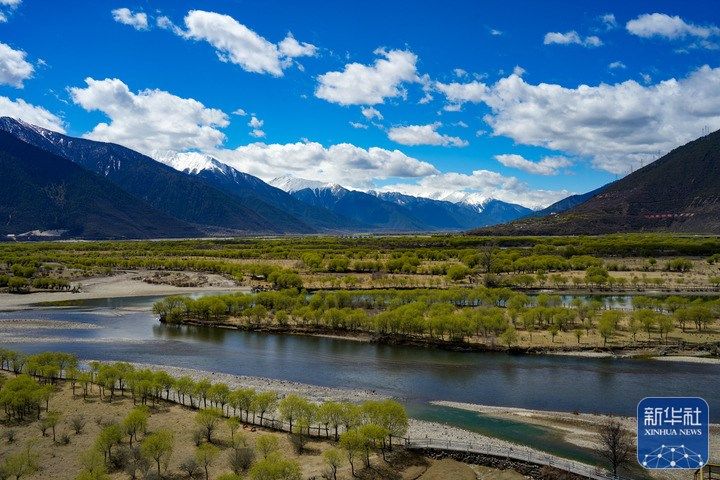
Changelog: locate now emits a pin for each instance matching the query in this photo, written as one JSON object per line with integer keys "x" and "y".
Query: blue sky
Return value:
{"x": 477, "y": 99}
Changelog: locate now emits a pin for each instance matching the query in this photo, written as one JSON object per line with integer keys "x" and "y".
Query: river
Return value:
{"x": 125, "y": 329}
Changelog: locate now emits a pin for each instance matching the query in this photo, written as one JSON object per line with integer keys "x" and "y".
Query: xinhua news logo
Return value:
{"x": 673, "y": 432}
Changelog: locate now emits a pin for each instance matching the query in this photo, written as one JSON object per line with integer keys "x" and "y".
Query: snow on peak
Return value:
{"x": 472, "y": 199}
{"x": 291, "y": 184}
{"x": 191, "y": 162}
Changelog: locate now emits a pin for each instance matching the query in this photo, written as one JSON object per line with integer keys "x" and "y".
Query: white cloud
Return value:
{"x": 546, "y": 166}
{"x": 571, "y": 38}
{"x": 150, "y": 119}
{"x": 14, "y": 69}
{"x": 139, "y": 20}
{"x": 358, "y": 125}
{"x": 459, "y": 72}
{"x": 495, "y": 32}
{"x": 240, "y": 112}
{"x": 291, "y": 48}
{"x": 456, "y": 92}
{"x": 10, "y": 6}
{"x": 256, "y": 125}
{"x": 461, "y": 124}
{"x": 343, "y": 163}
{"x": 371, "y": 112}
{"x": 609, "y": 21}
{"x": 618, "y": 126}
{"x": 616, "y": 65}
{"x": 476, "y": 187}
{"x": 238, "y": 44}
{"x": 30, "y": 113}
{"x": 662, "y": 25}
{"x": 424, "y": 135}
{"x": 360, "y": 84}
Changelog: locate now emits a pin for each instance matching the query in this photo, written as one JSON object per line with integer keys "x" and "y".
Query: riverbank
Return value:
{"x": 136, "y": 283}
{"x": 576, "y": 428}
{"x": 418, "y": 430}
{"x": 709, "y": 352}
{"x": 316, "y": 393}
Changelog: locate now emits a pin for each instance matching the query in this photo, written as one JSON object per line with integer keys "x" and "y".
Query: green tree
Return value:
{"x": 274, "y": 467}
{"x": 267, "y": 444}
{"x": 509, "y": 336}
{"x": 158, "y": 446}
{"x": 136, "y": 421}
{"x": 208, "y": 419}
{"x": 264, "y": 402}
{"x": 334, "y": 460}
{"x": 206, "y": 455}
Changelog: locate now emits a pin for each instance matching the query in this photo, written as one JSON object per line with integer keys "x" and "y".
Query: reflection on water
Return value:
{"x": 543, "y": 382}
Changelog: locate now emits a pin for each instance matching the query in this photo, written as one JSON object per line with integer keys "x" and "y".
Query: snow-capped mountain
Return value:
{"x": 184, "y": 197}
{"x": 274, "y": 202}
{"x": 396, "y": 211}
{"x": 292, "y": 184}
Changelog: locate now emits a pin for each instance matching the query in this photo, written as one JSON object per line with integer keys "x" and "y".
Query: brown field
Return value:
{"x": 64, "y": 461}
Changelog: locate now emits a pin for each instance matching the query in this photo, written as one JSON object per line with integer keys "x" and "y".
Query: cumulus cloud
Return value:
{"x": 424, "y": 135}
{"x": 31, "y": 114}
{"x": 14, "y": 69}
{"x": 256, "y": 125}
{"x": 371, "y": 112}
{"x": 618, "y": 126}
{"x": 571, "y": 38}
{"x": 360, "y": 84}
{"x": 291, "y": 48}
{"x": 139, "y": 20}
{"x": 457, "y": 93}
{"x": 546, "y": 166}
{"x": 343, "y": 163}
{"x": 661, "y": 25}
{"x": 150, "y": 119}
{"x": 478, "y": 187}
{"x": 238, "y": 44}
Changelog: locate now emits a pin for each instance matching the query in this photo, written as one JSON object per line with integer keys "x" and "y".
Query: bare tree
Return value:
{"x": 616, "y": 445}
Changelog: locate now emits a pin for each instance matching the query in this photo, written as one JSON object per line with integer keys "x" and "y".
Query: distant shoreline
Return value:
{"x": 120, "y": 285}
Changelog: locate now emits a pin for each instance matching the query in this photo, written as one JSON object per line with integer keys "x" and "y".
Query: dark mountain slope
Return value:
{"x": 42, "y": 191}
{"x": 164, "y": 188}
{"x": 680, "y": 192}
{"x": 568, "y": 202}
{"x": 442, "y": 215}
{"x": 362, "y": 208}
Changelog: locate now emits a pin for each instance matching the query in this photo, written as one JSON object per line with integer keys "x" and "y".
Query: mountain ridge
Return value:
{"x": 45, "y": 195}
{"x": 679, "y": 192}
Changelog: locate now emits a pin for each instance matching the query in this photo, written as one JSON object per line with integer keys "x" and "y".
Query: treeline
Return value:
{"x": 445, "y": 315}
{"x": 400, "y": 254}
{"x": 360, "y": 428}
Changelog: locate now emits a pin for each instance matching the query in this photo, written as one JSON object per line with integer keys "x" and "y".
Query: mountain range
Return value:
{"x": 680, "y": 192}
{"x": 41, "y": 192}
{"x": 192, "y": 194}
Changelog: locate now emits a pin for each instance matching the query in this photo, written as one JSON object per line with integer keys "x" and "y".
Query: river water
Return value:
{"x": 126, "y": 330}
